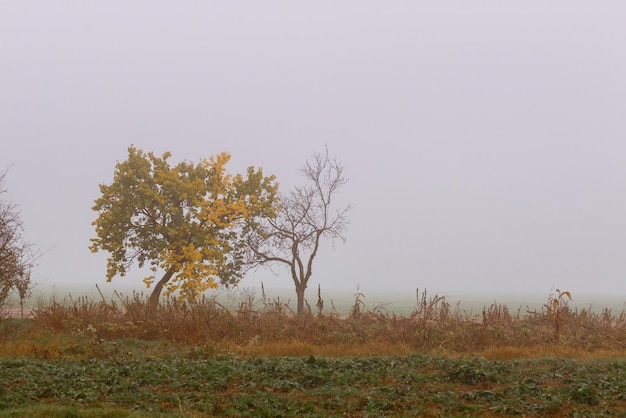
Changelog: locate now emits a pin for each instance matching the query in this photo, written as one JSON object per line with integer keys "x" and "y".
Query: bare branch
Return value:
{"x": 306, "y": 215}
{"x": 17, "y": 257}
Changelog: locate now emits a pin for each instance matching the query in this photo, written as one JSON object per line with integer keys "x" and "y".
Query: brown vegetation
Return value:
{"x": 270, "y": 327}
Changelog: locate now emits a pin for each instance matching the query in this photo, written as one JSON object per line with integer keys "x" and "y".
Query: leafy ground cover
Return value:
{"x": 227, "y": 385}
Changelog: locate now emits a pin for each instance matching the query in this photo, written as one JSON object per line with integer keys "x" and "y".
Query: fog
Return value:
{"x": 485, "y": 142}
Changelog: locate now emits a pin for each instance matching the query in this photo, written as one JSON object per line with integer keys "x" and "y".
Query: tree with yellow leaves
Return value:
{"x": 186, "y": 220}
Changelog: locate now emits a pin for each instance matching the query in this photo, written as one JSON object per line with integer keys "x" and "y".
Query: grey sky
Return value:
{"x": 485, "y": 141}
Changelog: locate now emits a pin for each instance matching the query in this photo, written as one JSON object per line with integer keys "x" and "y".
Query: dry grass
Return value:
{"x": 260, "y": 327}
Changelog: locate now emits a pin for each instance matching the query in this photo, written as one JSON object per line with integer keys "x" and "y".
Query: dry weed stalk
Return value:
{"x": 559, "y": 310}
{"x": 433, "y": 325}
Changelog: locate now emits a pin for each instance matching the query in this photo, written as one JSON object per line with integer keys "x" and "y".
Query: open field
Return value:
{"x": 91, "y": 357}
{"x": 227, "y": 385}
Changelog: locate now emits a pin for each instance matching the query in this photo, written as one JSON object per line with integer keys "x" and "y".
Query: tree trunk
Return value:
{"x": 300, "y": 293}
{"x": 153, "y": 301}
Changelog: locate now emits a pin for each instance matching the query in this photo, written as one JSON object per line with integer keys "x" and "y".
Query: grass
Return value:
{"x": 118, "y": 358}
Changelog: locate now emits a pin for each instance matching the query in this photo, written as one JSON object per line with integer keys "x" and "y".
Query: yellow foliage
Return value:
{"x": 183, "y": 219}
{"x": 148, "y": 281}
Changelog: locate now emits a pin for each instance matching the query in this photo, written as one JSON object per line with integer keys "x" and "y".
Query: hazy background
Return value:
{"x": 485, "y": 141}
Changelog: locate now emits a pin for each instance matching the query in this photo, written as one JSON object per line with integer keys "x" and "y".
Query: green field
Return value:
{"x": 227, "y": 385}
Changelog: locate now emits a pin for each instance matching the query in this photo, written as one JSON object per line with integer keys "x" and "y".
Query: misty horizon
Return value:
{"x": 485, "y": 144}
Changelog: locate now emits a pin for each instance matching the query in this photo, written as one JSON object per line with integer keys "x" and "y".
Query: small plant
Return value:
{"x": 471, "y": 374}
{"x": 359, "y": 304}
{"x": 557, "y": 307}
{"x": 320, "y": 301}
{"x": 434, "y": 308}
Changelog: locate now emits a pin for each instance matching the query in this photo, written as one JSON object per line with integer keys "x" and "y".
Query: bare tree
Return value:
{"x": 16, "y": 255}
{"x": 305, "y": 216}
